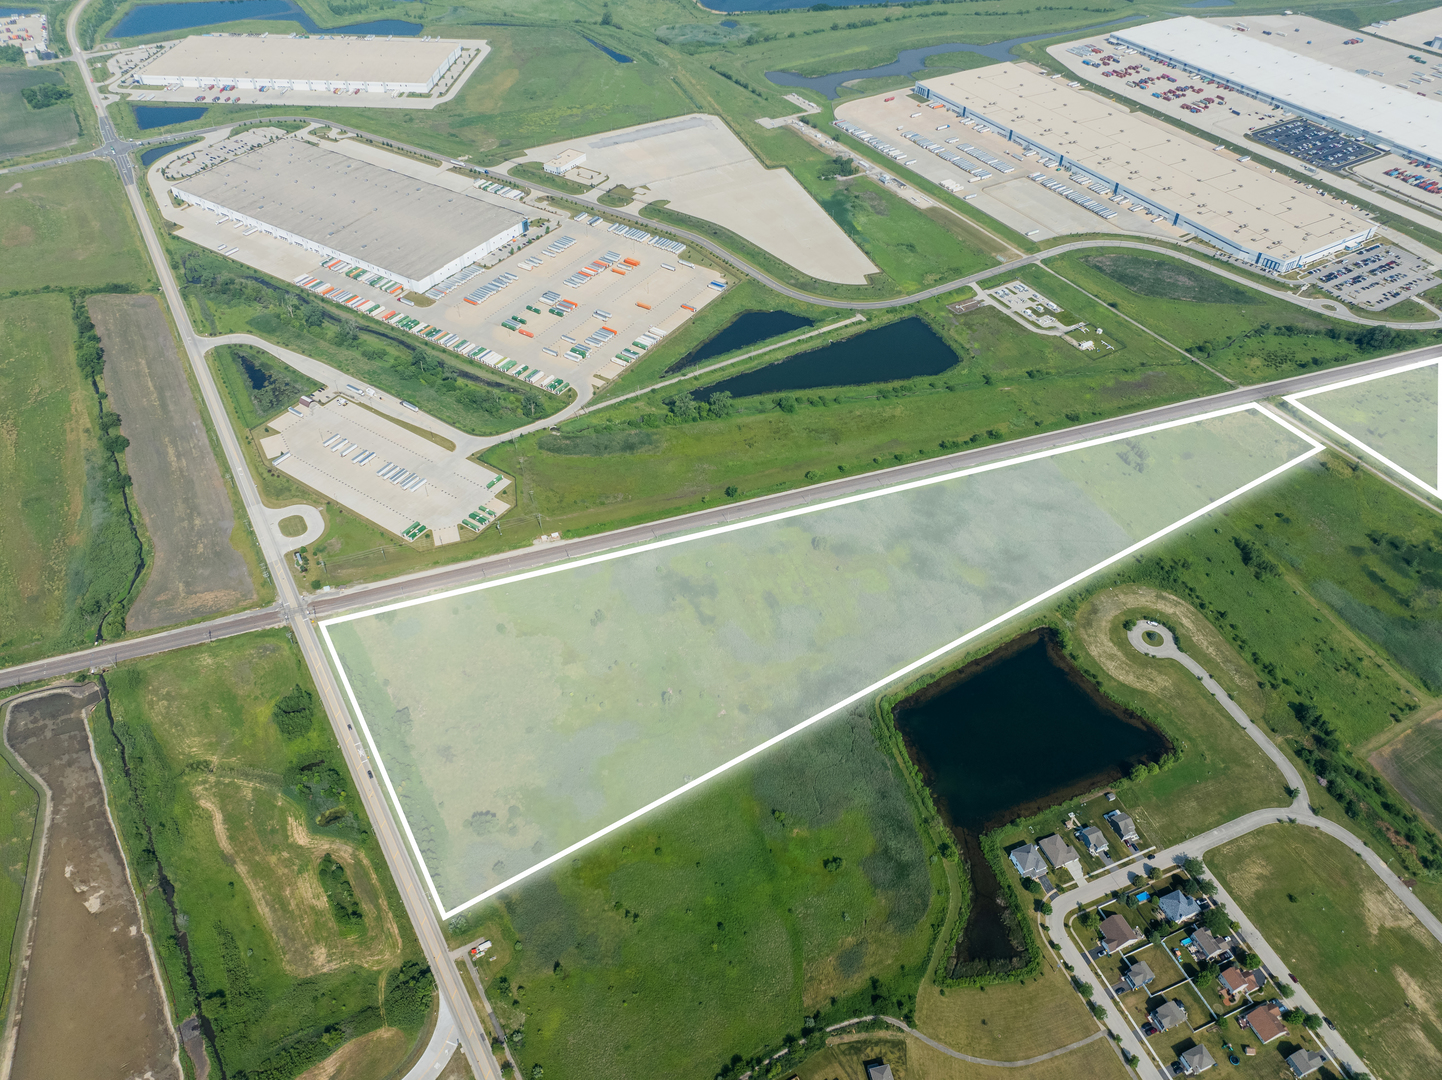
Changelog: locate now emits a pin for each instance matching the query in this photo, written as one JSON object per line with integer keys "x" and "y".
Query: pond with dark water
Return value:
{"x": 1005, "y": 737}
{"x": 620, "y": 58}
{"x": 899, "y": 350}
{"x": 907, "y": 61}
{"x": 163, "y": 18}
{"x": 154, "y": 116}
{"x": 748, "y": 328}
{"x": 155, "y": 153}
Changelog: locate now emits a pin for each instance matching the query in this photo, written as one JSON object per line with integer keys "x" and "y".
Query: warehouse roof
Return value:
{"x": 273, "y": 56}
{"x": 1391, "y": 114}
{"x": 1252, "y": 209}
{"x": 408, "y": 226}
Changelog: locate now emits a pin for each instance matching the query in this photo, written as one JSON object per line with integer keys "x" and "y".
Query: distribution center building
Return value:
{"x": 411, "y": 230}
{"x": 1408, "y": 123}
{"x": 326, "y": 64}
{"x": 1256, "y": 217}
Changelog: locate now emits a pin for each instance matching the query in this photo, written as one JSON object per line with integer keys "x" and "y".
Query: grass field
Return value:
{"x": 237, "y": 789}
{"x": 25, "y": 131}
{"x": 846, "y": 1055}
{"x": 69, "y": 225}
{"x": 1413, "y": 764}
{"x": 1005, "y": 1022}
{"x": 19, "y": 807}
{"x": 1010, "y": 382}
{"x": 712, "y": 928}
{"x": 1245, "y": 334}
{"x": 1365, "y": 959}
{"x": 49, "y": 431}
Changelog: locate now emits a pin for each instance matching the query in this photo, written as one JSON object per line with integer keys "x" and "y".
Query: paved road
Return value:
{"x": 421, "y": 912}
{"x": 437, "y": 1054}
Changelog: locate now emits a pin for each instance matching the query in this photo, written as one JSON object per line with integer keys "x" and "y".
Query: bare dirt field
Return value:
{"x": 86, "y": 930}
{"x": 183, "y": 500}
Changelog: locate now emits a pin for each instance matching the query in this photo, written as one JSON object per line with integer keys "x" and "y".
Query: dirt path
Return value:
{"x": 90, "y": 1004}
{"x": 183, "y": 500}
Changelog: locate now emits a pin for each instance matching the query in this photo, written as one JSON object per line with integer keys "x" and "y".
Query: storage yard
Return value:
{"x": 380, "y": 470}
{"x": 699, "y": 165}
{"x": 30, "y": 31}
{"x": 337, "y": 206}
{"x": 1115, "y": 159}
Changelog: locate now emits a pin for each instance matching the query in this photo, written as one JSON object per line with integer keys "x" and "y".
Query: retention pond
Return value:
{"x": 748, "y": 328}
{"x": 148, "y": 19}
{"x": 1004, "y": 737}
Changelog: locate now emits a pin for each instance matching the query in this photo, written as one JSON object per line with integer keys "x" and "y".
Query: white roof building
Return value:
{"x": 1406, "y": 122}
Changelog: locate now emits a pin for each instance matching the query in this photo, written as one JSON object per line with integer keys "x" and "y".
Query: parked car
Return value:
{"x": 1293, "y": 977}
{"x": 1328, "y": 1021}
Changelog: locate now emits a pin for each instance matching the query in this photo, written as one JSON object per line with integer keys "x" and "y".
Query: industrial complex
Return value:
{"x": 1132, "y": 162}
{"x": 328, "y": 64}
{"x": 335, "y": 205}
{"x": 1350, "y": 101}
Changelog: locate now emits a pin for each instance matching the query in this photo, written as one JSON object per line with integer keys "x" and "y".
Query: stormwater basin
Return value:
{"x": 155, "y": 116}
{"x": 748, "y": 328}
{"x": 150, "y": 19}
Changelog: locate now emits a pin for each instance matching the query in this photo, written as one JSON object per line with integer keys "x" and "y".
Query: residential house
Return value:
{"x": 1196, "y": 1060}
{"x": 1233, "y": 982}
{"x": 1028, "y": 861}
{"x": 1266, "y": 1023}
{"x": 878, "y": 1070}
{"x": 1168, "y": 1014}
{"x": 1095, "y": 840}
{"x": 1176, "y": 906}
{"x": 1210, "y": 946}
{"x": 1059, "y": 853}
{"x": 1138, "y": 975}
{"x": 1306, "y": 1062}
{"x": 1117, "y": 934}
{"x": 1122, "y": 824}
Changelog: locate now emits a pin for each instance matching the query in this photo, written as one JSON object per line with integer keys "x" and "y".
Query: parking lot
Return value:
{"x": 1309, "y": 141}
{"x": 380, "y": 470}
{"x": 1374, "y": 278}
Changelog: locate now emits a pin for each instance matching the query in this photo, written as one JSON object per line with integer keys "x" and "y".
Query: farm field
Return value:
{"x": 1363, "y": 956}
{"x": 799, "y": 886}
{"x": 24, "y": 130}
{"x": 195, "y": 569}
{"x": 46, "y": 405}
{"x": 68, "y": 225}
{"x": 628, "y": 463}
{"x": 237, "y": 789}
{"x": 1413, "y": 764}
{"x": 1241, "y": 332}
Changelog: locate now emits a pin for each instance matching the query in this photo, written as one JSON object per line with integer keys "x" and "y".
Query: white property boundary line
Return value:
{"x": 1295, "y": 401}
{"x": 935, "y": 654}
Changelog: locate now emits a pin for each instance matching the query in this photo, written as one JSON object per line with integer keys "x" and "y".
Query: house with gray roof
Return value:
{"x": 1209, "y": 944}
{"x": 1028, "y": 861}
{"x": 1122, "y": 824}
{"x": 1117, "y": 934}
{"x": 1176, "y": 906}
{"x": 878, "y": 1070}
{"x": 1094, "y": 839}
{"x": 1305, "y": 1062}
{"x": 1168, "y": 1014}
{"x": 1058, "y": 852}
{"x": 1196, "y": 1060}
{"x": 1138, "y": 975}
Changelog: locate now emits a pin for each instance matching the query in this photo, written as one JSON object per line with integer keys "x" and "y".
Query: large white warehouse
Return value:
{"x": 415, "y": 232}
{"x": 1262, "y": 219}
{"x": 1408, "y": 123}
{"x": 326, "y": 64}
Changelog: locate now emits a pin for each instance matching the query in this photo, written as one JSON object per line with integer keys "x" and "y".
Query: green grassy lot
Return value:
{"x": 24, "y": 130}
{"x": 633, "y": 466}
{"x": 1245, "y": 334}
{"x": 260, "y": 385}
{"x": 713, "y": 927}
{"x": 69, "y": 225}
{"x": 1364, "y": 958}
{"x": 238, "y": 802}
{"x": 537, "y": 175}
{"x": 1413, "y": 764}
{"x": 19, "y": 807}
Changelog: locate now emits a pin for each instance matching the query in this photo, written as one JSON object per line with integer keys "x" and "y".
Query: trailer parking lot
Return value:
{"x": 1374, "y": 278}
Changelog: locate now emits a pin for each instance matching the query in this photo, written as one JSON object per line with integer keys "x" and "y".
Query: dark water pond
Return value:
{"x": 900, "y": 350}
{"x": 620, "y": 58}
{"x": 1004, "y": 737}
{"x": 907, "y": 61}
{"x": 163, "y": 18}
{"x": 154, "y": 116}
{"x": 746, "y": 329}
{"x": 155, "y": 153}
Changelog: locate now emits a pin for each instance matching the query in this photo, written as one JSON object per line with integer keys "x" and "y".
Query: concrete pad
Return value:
{"x": 701, "y": 168}
{"x": 314, "y": 520}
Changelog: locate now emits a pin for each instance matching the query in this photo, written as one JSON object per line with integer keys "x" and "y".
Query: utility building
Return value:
{"x": 325, "y": 64}
{"x": 1262, "y": 219}
{"x": 408, "y": 229}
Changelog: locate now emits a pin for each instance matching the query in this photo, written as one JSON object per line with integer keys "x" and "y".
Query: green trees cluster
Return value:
{"x": 294, "y": 712}
{"x": 46, "y": 94}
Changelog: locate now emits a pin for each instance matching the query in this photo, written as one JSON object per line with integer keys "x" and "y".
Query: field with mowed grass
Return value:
{"x": 26, "y": 130}
{"x": 1413, "y": 764}
{"x": 636, "y": 461}
{"x": 1242, "y": 332}
{"x": 797, "y": 886}
{"x": 226, "y": 777}
{"x": 69, "y": 225}
{"x": 1370, "y": 965}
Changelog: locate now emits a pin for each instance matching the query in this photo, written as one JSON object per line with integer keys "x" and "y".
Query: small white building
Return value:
{"x": 564, "y": 161}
